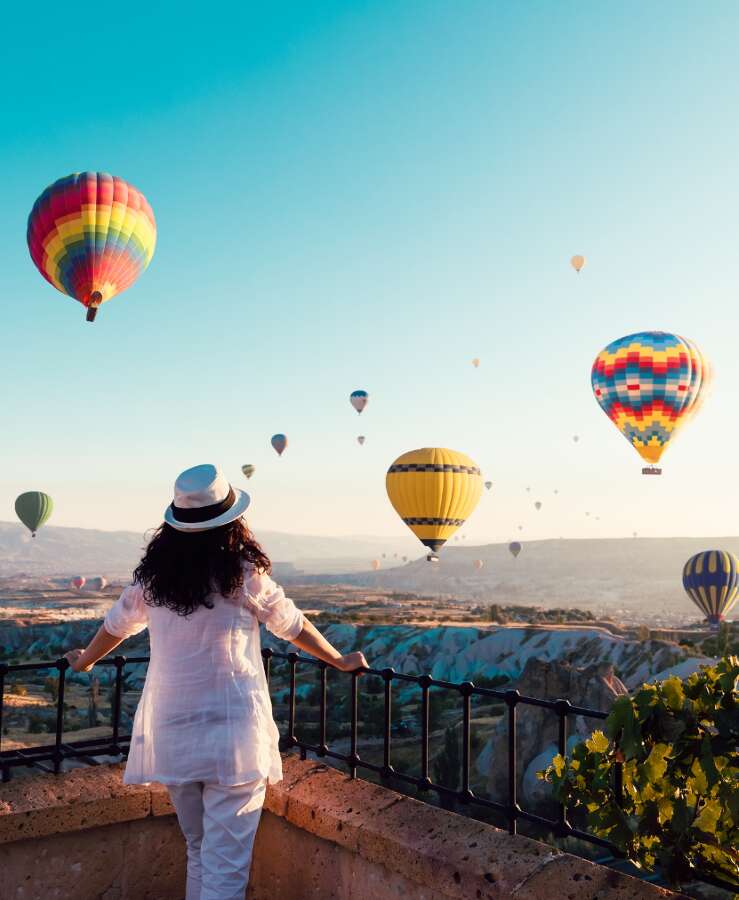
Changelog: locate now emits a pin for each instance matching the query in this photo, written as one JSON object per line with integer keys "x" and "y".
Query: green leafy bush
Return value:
{"x": 678, "y": 742}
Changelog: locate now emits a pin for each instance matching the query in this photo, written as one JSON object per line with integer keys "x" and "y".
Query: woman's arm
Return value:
{"x": 312, "y": 641}
{"x": 100, "y": 646}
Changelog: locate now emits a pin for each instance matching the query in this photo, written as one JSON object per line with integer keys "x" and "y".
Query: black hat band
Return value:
{"x": 204, "y": 513}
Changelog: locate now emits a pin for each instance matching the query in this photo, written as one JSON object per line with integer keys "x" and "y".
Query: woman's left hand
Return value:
{"x": 74, "y": 658}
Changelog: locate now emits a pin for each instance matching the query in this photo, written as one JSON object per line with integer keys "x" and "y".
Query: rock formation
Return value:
{"x": 595, "y": 687}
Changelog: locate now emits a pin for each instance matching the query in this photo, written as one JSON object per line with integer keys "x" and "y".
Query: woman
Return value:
{"x": 204, "y": 723}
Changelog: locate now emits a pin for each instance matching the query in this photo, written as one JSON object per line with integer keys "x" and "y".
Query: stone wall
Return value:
{"x": 85, "y": 835}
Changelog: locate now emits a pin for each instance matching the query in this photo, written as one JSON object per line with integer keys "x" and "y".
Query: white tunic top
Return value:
{"x": 205, "y": 712}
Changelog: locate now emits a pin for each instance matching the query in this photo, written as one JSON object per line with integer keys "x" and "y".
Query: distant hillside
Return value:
{"x": 626, "y": 578}
{"x": 67, "y": 551}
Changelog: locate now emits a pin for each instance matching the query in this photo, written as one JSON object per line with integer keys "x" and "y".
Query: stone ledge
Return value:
{"x": 452, "y": 855}
{"x": 446, "y": 854}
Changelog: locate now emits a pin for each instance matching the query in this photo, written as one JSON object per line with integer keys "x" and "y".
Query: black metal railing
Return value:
{"x": 511, "y": 809}
{"x": 116, "y": 744}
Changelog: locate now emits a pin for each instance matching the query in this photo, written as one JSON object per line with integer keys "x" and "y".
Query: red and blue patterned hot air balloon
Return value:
{"x": 91, "y": 235}
{"x": 648, "y": 384}
{"x": 711, "y": 580}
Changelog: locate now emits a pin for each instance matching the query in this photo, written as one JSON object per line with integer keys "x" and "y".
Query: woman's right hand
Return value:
{"x": 350, "y": 662}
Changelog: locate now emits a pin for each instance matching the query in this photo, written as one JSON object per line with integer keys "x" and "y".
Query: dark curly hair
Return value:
{"x": 181, "y": 569}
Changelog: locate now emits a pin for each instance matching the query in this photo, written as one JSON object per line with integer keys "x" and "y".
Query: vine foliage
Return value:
{"x": 678, "y": 743}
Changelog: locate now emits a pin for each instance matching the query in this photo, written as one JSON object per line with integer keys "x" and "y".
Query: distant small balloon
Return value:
{"x": 375, "y": 564}
{"x": 575, "y": 437}
{"x": 528, "y": 490}
{"x": 360, "y": 440}
{"x": 479, "y": 564}
{"x": 97, "y": 584}
{"x": 577, "y": 262}
{"x": 520, "y": 527}
{"x": 515, "y": 548}
{"x": 78, "y": 582}
{"x": 405, "y": 559}
{"x": 248, "y": 470}
{"x": 33, "y": 509}
{"x": 279, "y": 442}
{"x": 537, "y": 505}
{"x": 488, "y": 485}
{"x": 476, "y": 363}
{"x": 556, "y": 491}
{"x": 359, "y": 399}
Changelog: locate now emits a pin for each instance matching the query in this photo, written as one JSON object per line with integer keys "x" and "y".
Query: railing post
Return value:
{"x": 62, "y": 665}
{"x": 387, "y": 677}
{"x": 120, "y": 662}
{"x": 511, "y": 699}
{"x": 562, "y": 708}
{"x": 353, "y": 757}
{"x": 424, "y": 781}
{"x": 3, "y": 672}
{"x": 322, "y": 740}
{"x": 466, "y": 689}
{"x": 291, "y": 739}
{"x": 266, "y": 658}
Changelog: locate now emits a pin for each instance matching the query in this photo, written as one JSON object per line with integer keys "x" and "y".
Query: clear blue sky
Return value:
{"x": 367, "y": 195}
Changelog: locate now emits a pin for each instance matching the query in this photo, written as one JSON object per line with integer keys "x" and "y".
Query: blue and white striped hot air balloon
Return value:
{"x": 711, "y": 579}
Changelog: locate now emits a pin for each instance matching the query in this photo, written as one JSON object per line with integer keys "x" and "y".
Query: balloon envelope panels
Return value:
{"x": 34, "y": 509}
{"x": 434, "y": 491}
{"x": 648, "y": 384}
{"x": 711, "y": 580}
{"x": 91, "y": 235}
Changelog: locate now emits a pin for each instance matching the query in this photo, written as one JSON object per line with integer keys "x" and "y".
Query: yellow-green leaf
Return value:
{"x": 597, "y": 742}
{"x": 558, "y": 764}
{"x": 708, "y": 817}
{"x": 655, "y": 765}
{"x": 672, "y": 689}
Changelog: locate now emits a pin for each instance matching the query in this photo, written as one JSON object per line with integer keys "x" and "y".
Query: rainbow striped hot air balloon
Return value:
{"x": 648, "y": 384}
{"x": 91, "y": 235}
{"x": 711, "y": 579}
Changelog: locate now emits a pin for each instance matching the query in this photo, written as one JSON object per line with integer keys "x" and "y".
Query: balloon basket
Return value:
{"x": 651, "y": 470}
{"x": 432, "y": 557}
{"x": 92, "y": 311}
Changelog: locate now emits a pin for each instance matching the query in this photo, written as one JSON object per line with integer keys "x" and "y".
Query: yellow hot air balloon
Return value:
{"x": 476, "y": 362}
{"x": 434, "y": 491}
{"x": 577, "y": 262}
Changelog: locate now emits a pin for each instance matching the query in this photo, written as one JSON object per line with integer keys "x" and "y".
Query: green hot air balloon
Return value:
{"x": 34, "y": 509}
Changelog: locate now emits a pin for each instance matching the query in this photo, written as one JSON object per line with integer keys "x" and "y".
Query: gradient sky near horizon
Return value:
{"x": 368, "y": 195}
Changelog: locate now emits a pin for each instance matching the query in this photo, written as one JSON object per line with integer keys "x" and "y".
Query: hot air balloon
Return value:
{"x": 634, "y": 534}
{"x": 33, "y": 509}
{"x": 528, "y": 490}
{"x": 520, "y": 527}
{"x": 434, "y": 490}
{"x": 556, "y": 491}
{"x": 476, "y": 363}
{"x": 515, "y": 548}
{"x": 575, "y": 437}
{"x": 648, "y": 384}
{"x": 711, "y": 579}
{"x": 577, "y": 262}
{"x": 384, "y": 555}
{"x": 375, "y": 564}
{"x": 98, "y": 584}
{"x": 279, "y": 442}
{"x": 478, "y": 564}
{"x": 361, "y": 439}
{"x": 488, "y": 485}
{"x": 537, "y": 505}
{"x": 248, "y": 470}
{"x": 359, "y": 399}
{"x": 91, "y": 235}
{"x": 405, "y": 559}
{"x": 78, "y": 582}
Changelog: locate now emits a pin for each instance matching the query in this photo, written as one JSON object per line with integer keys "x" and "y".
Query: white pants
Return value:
{"x": 219, "y": 823}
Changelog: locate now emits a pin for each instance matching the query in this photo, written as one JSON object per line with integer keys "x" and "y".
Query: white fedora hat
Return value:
{"x": 204, "y": 499}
